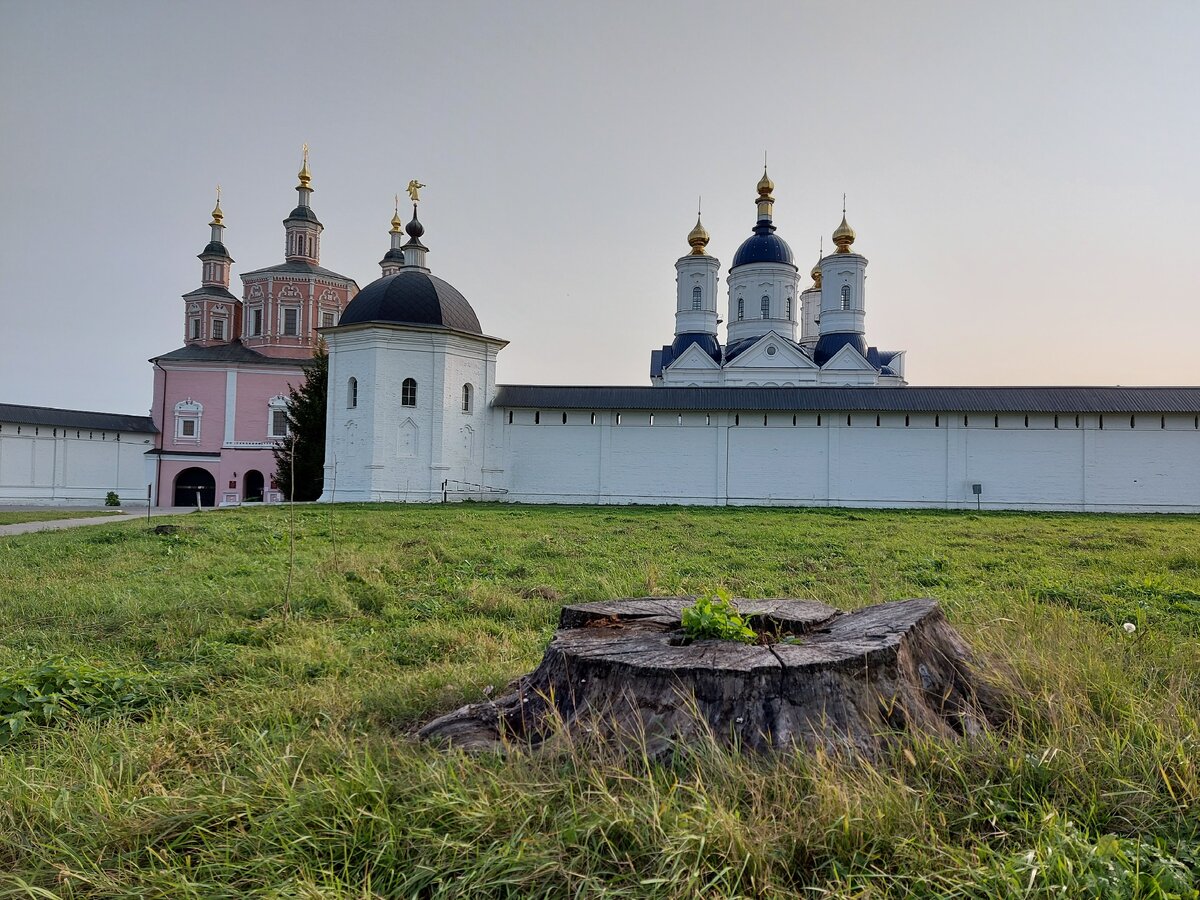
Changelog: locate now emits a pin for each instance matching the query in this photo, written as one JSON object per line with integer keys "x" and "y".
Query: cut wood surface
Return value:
{"x": 818, "y": 677}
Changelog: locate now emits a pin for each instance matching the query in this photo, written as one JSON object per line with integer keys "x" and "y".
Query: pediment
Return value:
{"x": 849, "y": 360}
{"x": 693, "y": 358}
{"x": 759, "y": 355}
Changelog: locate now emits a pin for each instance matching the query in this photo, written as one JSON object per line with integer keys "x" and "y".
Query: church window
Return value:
{"x": 218, "y": 329}
{"x": 564, "y": 418}
{"x": 466, "y": 398}
{"x": 651, "y": 418}
{"x": 996, "y": 422}
{"x": 937, "y": 421}
{"x": 966, "y": 421}
{"x": 1131, "y": 421}
{"x": 845, "y": 296}
{"x": 187, "y": 427}
{"x": 291, "y": 321}
{"x": 765, "y": 307}
{"x": 1077, "y": 421}
{"x": 764, "y": 420}
{"x": 408, "y": 392}
{"x": 618, "y": 418}
{"x": 593, "y": 418}
{"x": 537, "y": 418}
{"x": 771, "y": 350}
{"x": 1102, "y": 423}
{"x": 277, "y": 417}
{"x": 907, "y": 421}
{"x": 695, "y": 298}
{"x": 793, "y": 421}
{"x": 1027, "y": 421}
{"x": 187, "y": 421}
{"x": 741, "y": 309}
{"x": 876, "y": 420}
{"x": 789, "y": 307}
{"x": 326, "y": 320}
{"x": 256, "y": 322}
{"x": 195, "y": 329}
{"x": 1056, "y": 421}
{"x": 1162, "y": 422}
{"x": 818, "y": 420}
{"x": 352, "y": 393}
{"x": 847, "y": 421}
{"x": 737, "y": 420}
{"x": 510, "y": 417}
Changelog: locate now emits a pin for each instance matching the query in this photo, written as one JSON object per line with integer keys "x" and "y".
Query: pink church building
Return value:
{"x": 220, "y": 400}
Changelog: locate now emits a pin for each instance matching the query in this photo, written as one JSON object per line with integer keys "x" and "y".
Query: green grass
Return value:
{"x": 268, "y": 752}
{"x": 17, "y": 516}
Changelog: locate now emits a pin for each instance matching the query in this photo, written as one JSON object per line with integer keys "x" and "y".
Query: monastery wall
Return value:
{"x": 849, "y": 460}
{"x": 65, "y": 466}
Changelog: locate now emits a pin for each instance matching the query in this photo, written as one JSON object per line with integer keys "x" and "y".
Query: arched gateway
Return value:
{"x": 192, "y": 483}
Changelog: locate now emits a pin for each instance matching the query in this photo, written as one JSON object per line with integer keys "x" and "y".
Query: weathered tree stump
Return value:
{"x": 817, "y": 677}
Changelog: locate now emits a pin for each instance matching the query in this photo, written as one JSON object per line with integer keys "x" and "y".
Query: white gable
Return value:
{"x": 848, "y": 360}
{"x": 772, "y": 351}
{"x": 693, "y": 358}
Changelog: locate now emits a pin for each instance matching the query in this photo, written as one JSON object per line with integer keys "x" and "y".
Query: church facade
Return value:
{"x": 220, "y": 400}
{"x": 794, "y": 408}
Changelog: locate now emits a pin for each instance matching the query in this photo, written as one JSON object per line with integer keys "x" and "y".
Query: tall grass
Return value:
{"x": 274, "y": 758}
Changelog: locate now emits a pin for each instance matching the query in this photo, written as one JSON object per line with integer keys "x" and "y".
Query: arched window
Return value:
{"x": 408, "y": 392}
{"x": 466, "y": 398}
{"x": 352, "y": 393}
{"x": 741, "y": 309}
{"x": 789, "y": 307}
{"x": 845, "y": 296}
{"x": 696, "y": 296}
{"x": 765, "y": 306}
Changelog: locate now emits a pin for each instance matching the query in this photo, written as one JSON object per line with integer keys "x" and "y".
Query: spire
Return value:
{"x": 698, "y": 236}
{"x": 217, "y": 215}
{"x": 765, "y": 200}
{"x": 843, "y": 235}
{"x": 304, "y": 175}
{"x": 393, "y": 260}
{"x": 414, "y": 250}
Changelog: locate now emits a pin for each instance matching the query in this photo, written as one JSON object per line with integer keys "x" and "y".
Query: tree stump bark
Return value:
{"x": 817, "y": 678}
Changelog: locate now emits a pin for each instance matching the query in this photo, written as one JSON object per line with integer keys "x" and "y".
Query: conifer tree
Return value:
{"x": 302, "y": 453}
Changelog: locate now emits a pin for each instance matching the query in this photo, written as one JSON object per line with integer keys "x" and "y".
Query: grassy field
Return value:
{"x": 16, "y": 516}
{"x": 216, "y": 734}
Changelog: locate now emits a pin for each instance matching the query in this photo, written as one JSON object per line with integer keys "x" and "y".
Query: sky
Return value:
{"x": 1022, "y": 176}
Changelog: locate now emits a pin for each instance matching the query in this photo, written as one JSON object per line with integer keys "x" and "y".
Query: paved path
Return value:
{"x": 56, "y": 524}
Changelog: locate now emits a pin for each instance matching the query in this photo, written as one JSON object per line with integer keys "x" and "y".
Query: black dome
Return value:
{"x": 303, "y": 212}
{"x": 763, "y": 246}
{"x": 412, "y": 297}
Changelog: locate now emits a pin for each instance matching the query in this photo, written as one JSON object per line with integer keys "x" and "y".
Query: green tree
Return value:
{"x": 302, "y": 453}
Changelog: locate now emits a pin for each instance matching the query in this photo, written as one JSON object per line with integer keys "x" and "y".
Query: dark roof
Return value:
{"x": 763, "y": 246}
{"x": 412, "y": 297}
{"x": 233, "y": 352}
{"x": 211, "y": 291}
{"x": 660, "y": 359}
{"x": 829, "y": 344}
{"x": 296, "y": 267}
{"x": 394, "y": 253}
{"x": 215, "y": 248}
{"x": 303, "y": 212}
{"x": 74, "y": 418}
{"x": 874, "y": 399}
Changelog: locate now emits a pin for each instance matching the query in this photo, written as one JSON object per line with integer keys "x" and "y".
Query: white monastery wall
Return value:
{"x": 65, "y": 466}
{"x": 933, "y": 461}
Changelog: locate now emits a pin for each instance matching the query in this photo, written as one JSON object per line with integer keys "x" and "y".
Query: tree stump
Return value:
{"x": 817, "y": 677}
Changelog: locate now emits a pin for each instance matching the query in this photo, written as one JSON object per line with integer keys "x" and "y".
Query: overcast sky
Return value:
{"x": 1022, "y": 176}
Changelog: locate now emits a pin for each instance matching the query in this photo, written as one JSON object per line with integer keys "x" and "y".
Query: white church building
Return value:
{"x": 794, "y": 408}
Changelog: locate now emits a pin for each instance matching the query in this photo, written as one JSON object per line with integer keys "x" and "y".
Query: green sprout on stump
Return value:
{"x": 716, "y": 617}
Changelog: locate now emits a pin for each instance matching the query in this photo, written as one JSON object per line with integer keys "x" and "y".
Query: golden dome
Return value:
{"x": 304, "y": 176}
{"x": 816, "y": 275}
{"x": 843, "y": 236}
{"x": 765, "y": 185}
{"x": 397, "y": 225}
{"x": 218, "y": 217}
{"x": 698, "y": 238}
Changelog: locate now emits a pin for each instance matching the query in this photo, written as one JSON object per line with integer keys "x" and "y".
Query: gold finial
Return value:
{"x": 765, "y": 185}
{"x": 218, "y": 217}
{"x": 305, "y": 177}
{"x": 843, "y": 235}
{"x": 816, "y": 269}
{"x": 397, "y": 225}
{"x": 414, "y": 190}
{"x": 698, "y": 237}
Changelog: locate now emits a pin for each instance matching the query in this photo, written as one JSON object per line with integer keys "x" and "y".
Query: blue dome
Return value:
{"x": 764, "y": 246}
{"x": 708, "y": 343}
{"x": 412, "y": 297}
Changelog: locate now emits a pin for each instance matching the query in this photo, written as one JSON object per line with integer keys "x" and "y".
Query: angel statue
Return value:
{"x": 413, "y": 189}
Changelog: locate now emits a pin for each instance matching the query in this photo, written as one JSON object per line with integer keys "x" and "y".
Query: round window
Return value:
{"x": 771, "y": 351}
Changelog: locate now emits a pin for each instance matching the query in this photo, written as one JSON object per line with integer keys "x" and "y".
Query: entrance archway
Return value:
{"x": 252, "y": 484}
{"x": 193, "y": 481}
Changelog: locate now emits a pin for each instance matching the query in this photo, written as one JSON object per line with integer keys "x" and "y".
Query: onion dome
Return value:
{"x": 396, "y": 223}
{"x": 412, "y": 297}
{"x": 844, "y": 235}
{"x": 698, "y": 238}
{"x": 414, "y": 229}
{"x": 303, "y": 174}
{"x": 218, "y": 217}
{"x": 764, "y": 245}
{"x": 816, "y": 275}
